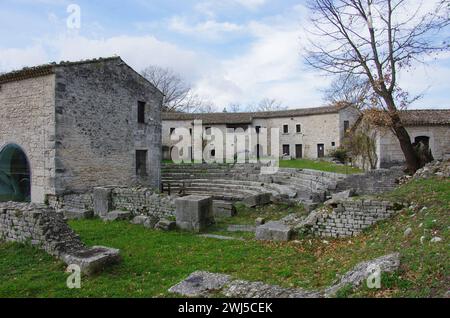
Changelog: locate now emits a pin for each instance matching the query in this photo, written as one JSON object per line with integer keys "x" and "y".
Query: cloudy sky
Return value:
{"x": 232, "y": 51}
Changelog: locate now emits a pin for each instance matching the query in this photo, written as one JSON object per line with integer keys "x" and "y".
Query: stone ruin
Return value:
{"x": 43, "y": 227}
{"x": 205, "y": 284}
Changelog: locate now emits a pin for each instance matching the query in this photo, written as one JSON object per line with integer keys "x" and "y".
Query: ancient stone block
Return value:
{"x": 274, "y": 231}
{"x": 78, "y": 214}
{"x": 194, "y": 213}
{"x": 257, "y": 200}
{"x": 93, "y": 260}
{"x": 102, "y": 201}
{"x": 223, "y": 209}
{"x": 117, "y": 216}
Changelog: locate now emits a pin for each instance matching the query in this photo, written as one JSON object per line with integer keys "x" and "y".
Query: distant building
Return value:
{"x": 69, "y": 127}
{"x": 432, "y": 127}
{"x": 304, "y": 133}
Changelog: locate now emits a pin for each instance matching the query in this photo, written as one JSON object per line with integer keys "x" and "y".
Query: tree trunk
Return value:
{"x": 412, "y": 160}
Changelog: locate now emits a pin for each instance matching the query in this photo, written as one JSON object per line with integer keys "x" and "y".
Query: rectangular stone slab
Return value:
{"x": 274, "y": 231}
{"x": 93, "y": 260}
{"x": 102, "y": 201}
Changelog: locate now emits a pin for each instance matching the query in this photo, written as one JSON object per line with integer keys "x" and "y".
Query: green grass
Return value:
{"x": 318, "y": 165}
{"x": 153, "y": 261}
{"x": 309, "y": 164}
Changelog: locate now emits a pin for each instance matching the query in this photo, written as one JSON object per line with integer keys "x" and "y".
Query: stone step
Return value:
{"x": 117, "y": 216}
{"x": 73, "y": 214}
{"x": 274, "y": 231}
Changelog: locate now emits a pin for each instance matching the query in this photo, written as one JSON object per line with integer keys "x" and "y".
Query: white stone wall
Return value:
{"x": 27, "y": 118}
{"x": 315, "y": 129}
{"x": 390, "y": 153}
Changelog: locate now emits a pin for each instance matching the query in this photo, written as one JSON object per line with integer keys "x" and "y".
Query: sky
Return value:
{"x": 230, "y": 51}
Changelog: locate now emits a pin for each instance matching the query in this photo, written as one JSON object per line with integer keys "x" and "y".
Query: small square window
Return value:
{"x": 333, "y": 144}
{"x": 172, "y": 130}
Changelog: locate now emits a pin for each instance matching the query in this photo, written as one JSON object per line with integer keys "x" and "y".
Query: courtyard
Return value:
{"x": 153, "y": 260}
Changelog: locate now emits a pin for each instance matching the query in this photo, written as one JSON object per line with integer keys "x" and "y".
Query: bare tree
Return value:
{"x": 234, "y": 108}
{"x": 267, "y": 105}
{"x": 179, "y": 96}
{"x": 376, "y": 39}
{"x": 349, "y": 89}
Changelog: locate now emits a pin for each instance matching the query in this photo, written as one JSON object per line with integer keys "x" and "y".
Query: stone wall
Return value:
{"x": 27, "y": 115}
{"x": 39, "y": 225}
{"x": 143, "y": 201}
{"x": 389, "y": 150}
{"x": 98, "y": 133}
{"x": 348, "y": 218}
{"x": 372, "y": 182}
{"x": 136, "y": 200}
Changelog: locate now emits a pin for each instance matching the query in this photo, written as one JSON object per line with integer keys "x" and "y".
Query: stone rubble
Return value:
{"x": 45, "y": 228}
{"x": 205, "y": 284}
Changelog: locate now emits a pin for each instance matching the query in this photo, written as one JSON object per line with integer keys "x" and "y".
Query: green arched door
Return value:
{"x": 15, "y": 178}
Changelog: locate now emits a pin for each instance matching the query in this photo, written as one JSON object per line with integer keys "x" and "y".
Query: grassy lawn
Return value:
{"x": 309, "y": 164}
{"x": 318, "y": 165}
{"x": 153, "y": 261}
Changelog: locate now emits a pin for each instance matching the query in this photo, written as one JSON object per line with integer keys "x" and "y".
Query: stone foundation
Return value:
{"x": 347, "y": 218}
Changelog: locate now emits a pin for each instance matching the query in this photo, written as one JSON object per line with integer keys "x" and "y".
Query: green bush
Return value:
{"x": 340, "y": 154}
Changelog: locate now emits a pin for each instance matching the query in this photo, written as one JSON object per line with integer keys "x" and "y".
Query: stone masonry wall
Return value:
{"x": 143, "y": 201}
{"x": 372, "y": 182}
{"x": 39, "y": 225}
{"x": 349, "y": 218}
{"x": 136, "y": 200}
{"x": 97, "y": 130}
{"x": 27, "y": 119}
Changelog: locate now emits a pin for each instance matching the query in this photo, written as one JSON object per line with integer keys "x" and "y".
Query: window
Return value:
{"x": 286, "y": 150}
{"x": 190, "y": 131}
{"x": 141, "y": 112}
{"x": 258, "y": 129}
{"x": 141, "y": 163}
{"x": 286, "y": 129}
{"x": 172, "y": 130}
{"x": 299, "y": 128}
{"x": 346, "y": 126}
{"x": 333, "y": 144}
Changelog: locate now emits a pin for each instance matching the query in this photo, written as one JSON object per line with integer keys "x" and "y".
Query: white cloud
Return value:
{"x": 14, "y": 58}
{"x": 210, "y": 29}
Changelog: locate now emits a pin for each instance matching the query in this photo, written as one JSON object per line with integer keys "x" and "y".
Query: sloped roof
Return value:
{"x": 45, "y": 69}
{"x": 416, "y": 117}
{"x": 246, "y": 118}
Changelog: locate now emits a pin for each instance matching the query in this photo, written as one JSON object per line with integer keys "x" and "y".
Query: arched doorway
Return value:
{"x": 15, "y": 177}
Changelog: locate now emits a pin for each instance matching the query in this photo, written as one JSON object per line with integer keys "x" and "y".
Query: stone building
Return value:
{"x": 303, "y": 133}
{"x": 66, "y": 128}
{"x": 432, "y": 127}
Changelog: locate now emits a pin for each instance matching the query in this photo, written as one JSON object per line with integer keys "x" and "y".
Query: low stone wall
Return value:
{"x": 76, "y": 201}
{"x": 142, "y": 201}
{"x": 348, "y": 218}
{"x": 372, "y": 182}
{"x": 136, "y": 200}
{"x": 39, "y": 225}
{"x": 43, "y": 227}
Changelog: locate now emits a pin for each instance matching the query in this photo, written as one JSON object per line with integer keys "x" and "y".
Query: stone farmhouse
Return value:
{"x": 304, "y": 133}
{"x": 68, "y": 127}
{"x": 313, "y": 132}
